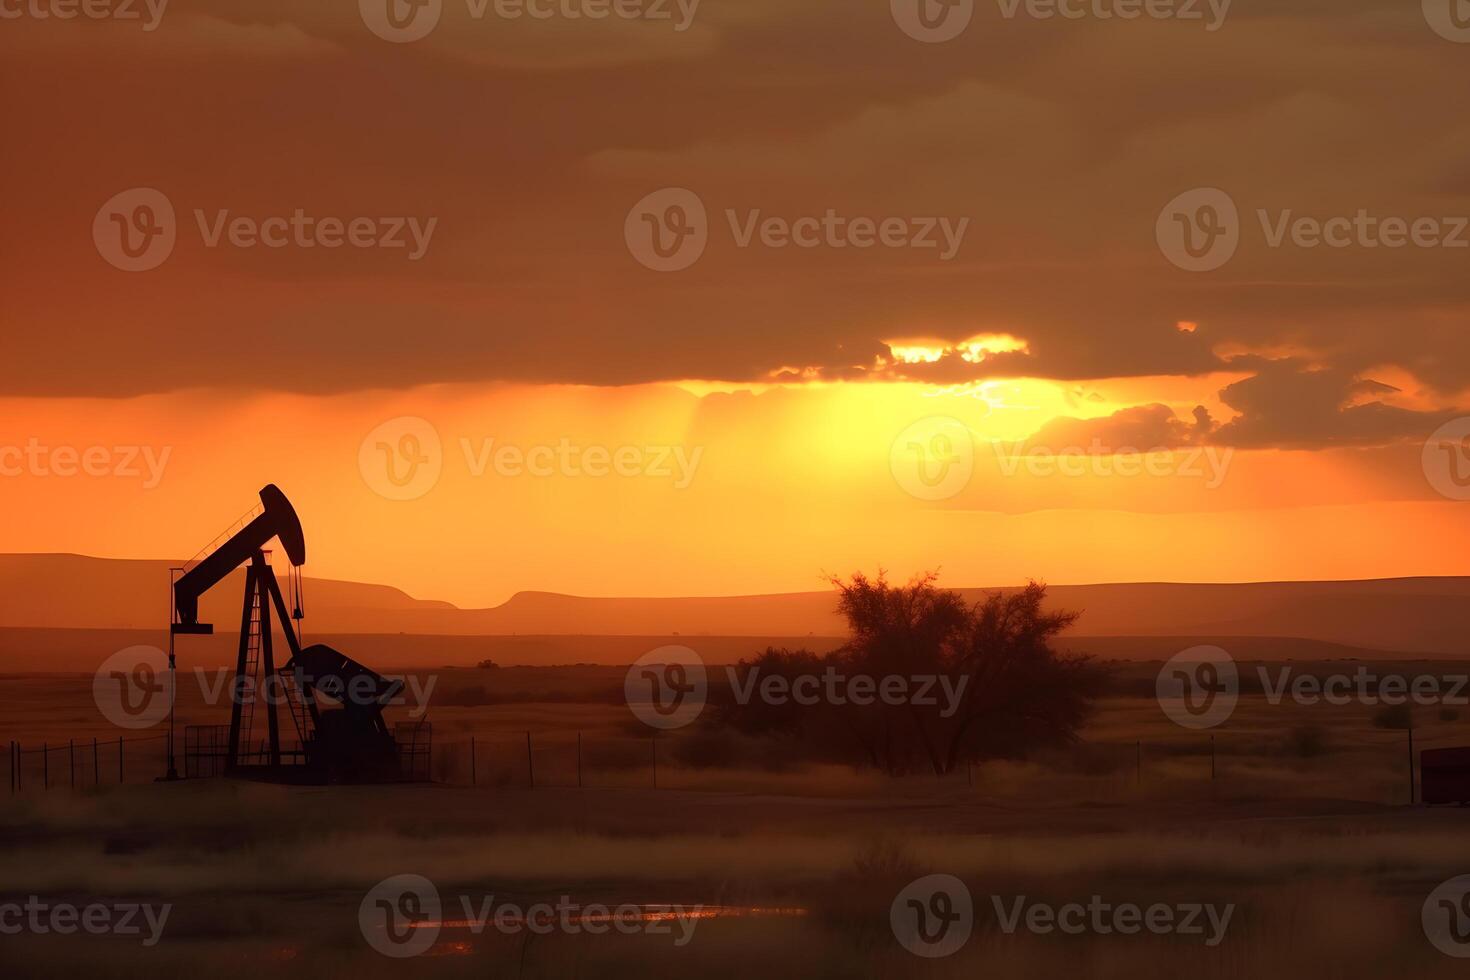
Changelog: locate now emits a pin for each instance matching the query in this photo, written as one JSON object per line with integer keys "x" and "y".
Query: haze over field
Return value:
{"x": 1408, "y": 616}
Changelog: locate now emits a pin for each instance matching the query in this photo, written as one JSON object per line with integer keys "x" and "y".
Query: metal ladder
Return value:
{"x": 297, "y": 702}
{"x": 252, "y": 671}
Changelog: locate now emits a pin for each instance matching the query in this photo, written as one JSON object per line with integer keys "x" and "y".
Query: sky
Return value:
{"x": 727, "y": 297}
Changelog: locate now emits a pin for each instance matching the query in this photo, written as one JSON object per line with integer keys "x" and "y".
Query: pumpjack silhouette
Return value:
{"x": 335, "y": 703}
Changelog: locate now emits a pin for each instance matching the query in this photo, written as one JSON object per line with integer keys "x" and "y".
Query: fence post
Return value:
{"x": 14, "y": 769}
{"x": 653, "y": 746}
{"x": 1138, "y": 762}
{"x": 119, "y": 761}
{"x": 530, "y": 763}
{"x": 1411, "y": 760}
{"x": 45, "y": 767}
{"x": 96, "y": 769}
{"x": 579, "y": 760}
{"x": 71, "y": 763}
{"x": 472, "y": 761}
{"x": 18, "y": 753}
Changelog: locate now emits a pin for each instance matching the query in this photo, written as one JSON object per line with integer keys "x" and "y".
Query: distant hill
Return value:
{"x": 1409, "y": 616}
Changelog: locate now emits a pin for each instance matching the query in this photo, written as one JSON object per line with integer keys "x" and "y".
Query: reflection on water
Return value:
{"x": 625, "y": 915}
{"x": 645, "y": 913}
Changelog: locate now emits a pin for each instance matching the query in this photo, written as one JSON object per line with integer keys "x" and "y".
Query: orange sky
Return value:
{"x": 852, "y": 383}
{"x": 774, "y": 488}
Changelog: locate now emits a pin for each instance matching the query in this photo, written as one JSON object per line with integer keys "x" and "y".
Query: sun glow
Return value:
{"x": 975, "y": 349}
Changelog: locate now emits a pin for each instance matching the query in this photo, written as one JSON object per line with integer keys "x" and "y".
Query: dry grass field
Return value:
{"x": 1304, "y": 829}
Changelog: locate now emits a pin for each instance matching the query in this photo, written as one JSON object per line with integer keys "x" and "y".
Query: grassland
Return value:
{"x": 1304, "y": 829}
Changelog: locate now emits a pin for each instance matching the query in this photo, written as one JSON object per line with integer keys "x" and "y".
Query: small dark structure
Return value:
{"x": 335, "y": 703}
{"x": 1444, "y": 775}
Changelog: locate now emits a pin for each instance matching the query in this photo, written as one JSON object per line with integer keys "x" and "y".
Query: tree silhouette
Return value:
{"x": 996, "y": 688}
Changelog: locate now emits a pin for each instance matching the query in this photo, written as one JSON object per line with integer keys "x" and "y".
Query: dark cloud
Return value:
{"x": 1287, "y": 405}
{"x": 529, "y": 142}
{"x": 1139, "y": 428}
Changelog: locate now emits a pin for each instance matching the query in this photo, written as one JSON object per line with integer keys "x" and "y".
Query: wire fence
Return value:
{"x": 85, "y": 763}
{"x": 1382, "y": 766}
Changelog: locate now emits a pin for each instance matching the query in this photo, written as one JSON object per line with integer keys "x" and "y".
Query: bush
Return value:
{"x": 1396, "y": 717}
{"x": 1307, "y": 741}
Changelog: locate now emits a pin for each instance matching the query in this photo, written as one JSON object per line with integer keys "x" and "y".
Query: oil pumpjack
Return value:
{"x": 336, "y": 704}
